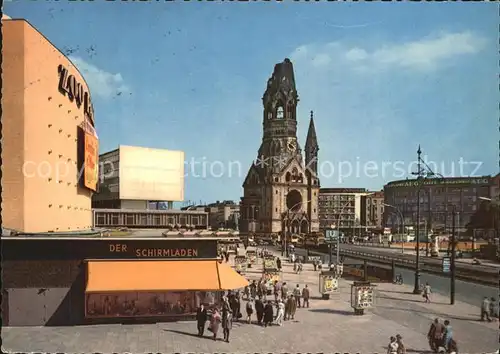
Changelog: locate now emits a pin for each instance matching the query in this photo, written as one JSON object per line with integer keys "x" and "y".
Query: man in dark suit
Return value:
{"x": 201, "y": 319}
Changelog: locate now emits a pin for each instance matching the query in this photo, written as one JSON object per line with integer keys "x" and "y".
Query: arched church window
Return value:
{"x": 280, "y": 114}
{"x": 288, "y": 176}
{"x": 270, "y": 115}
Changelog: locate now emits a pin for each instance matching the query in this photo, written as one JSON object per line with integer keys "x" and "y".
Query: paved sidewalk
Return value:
{"x": 328, "y": 326}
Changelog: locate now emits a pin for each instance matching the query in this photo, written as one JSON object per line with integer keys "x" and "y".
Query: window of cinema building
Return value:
{"x": 57, "y": 270}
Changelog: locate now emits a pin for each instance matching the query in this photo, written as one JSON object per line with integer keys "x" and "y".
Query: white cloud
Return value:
{"x": 428, "y": 52}
{"x": 102, "y": 83}
{"x": 356, "y": 54}
{"x": 421, "y": 54}
{"x": 382, "y": 117}
{"x": 321, "y": 60}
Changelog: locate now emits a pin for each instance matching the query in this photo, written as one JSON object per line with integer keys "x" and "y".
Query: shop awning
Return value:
{"x": 111, "y": 276}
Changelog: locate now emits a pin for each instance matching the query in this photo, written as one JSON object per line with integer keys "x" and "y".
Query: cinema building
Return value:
{"x": 47, "y": 133}
{"x": 52, "y": 273}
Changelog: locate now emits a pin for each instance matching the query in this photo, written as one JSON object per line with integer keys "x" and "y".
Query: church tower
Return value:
{"x": 280, "y": 116}
{"x": 278, "y": 195}
{"x": 312, "y": 148}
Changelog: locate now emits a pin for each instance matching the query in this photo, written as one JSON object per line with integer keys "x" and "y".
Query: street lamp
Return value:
{"x": 345, "y": 205}
{"x": 402, "y": 224}
{"x": 429, "y": 206}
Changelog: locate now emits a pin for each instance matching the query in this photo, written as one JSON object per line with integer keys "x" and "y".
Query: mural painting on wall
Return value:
{"x": 133, "y": 304}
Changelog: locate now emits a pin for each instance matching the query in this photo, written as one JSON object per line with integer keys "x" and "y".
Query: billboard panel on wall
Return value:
{"x": 91, "y": 156}
{"x": 151, "y": 174}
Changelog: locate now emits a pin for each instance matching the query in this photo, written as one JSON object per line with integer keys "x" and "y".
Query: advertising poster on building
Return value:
{"x": 270, "y": 263}
{"x": 251, "y": 257}
{"x": 328, "y": 284}
{"x": 91, "y": 161}
{"x": 362, "y": 295}
{"x": 270, "y": 277}
{"x": 240, "y": 263}
{"x": 134, "y": 304}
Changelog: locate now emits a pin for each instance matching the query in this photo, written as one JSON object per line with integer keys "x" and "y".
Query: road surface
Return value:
{"x": 467, "y": 292}
{"x": 461, "y": 262}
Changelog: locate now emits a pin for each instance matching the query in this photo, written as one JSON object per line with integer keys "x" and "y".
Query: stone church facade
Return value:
{"x": 281, "y": 189}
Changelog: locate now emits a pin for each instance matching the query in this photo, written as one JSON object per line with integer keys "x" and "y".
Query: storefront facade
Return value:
{"x": 68, "y": 281}
{"x": 47, "y": 134}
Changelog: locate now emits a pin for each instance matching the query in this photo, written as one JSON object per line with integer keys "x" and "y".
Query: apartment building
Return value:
{"x": 344, "y": 208}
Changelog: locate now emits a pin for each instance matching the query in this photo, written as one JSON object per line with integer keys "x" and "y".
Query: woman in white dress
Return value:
{"x": 281, "y": 313}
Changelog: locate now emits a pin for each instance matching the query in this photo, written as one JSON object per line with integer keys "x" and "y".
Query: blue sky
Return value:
{"x": 380, "y": 77}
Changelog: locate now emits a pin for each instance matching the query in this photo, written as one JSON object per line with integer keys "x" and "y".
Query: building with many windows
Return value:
{"x": 374, "y": 210}
{"x": 343, "y": 207}
{"x": 438, "y": 198}
{"x": 224, "y": 215}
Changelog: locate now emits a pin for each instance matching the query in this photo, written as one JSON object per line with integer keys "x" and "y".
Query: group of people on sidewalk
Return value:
{"x": 489, "y": 309}
{"x": 396, "y": 345}
{"x": 286, "y": 302}
{"x": 268, "y": 312}
{"x": 440, "y": 337}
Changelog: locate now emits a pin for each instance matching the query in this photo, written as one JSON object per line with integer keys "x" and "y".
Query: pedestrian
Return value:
{"x": 268, "y": 314}
{"x": 293, "y": 306}
{"x": 315, "y": 264}
{"x": 281, "y": 313}
{"x": 253, "y": 289}
{"x": 401, "y": 347}
{"x": 264, "y": 289}
{"x": 448, "y": 334}
{"x": 259, "y": 288}
{"x": 453, "y": 347}
{"x": 485, "y": 309}
{"x": 297, "y": 294}
{"x": 227, "y": 325}
{"x": 393, "y": 346}
{"x": 435, "y": 335}
{"x": 246, "y": 291}
{"x": 288, "y": 306}
{"x": 493, "y": 308}
{"x": 284, "y": 290}
{"x": 277, "y": 291}
{"x": 259, "y": 309}
{"x": 226, "y": 306}
{"x": 226, "y": 255}
{"x": 427, "y": 293}
{"x": 278, "y": 263}
{"x": 215, "y": 323}
{"x": 305, "y": 296}
{"x": 249, "y": 308}
{"x": 201, "y": 319}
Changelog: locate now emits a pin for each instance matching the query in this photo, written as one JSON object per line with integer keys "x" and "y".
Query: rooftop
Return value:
{"x": 107, "y": 234}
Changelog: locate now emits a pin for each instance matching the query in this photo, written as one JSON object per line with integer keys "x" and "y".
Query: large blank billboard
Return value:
{"x": 151, "y": 174}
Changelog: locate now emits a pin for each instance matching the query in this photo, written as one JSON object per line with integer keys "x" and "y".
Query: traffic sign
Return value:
{"x": 446, "y": 264}
{"x": 331, "y": 235}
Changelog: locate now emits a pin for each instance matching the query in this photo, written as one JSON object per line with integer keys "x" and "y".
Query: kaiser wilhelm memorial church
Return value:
{"x": 281, "y": 188}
